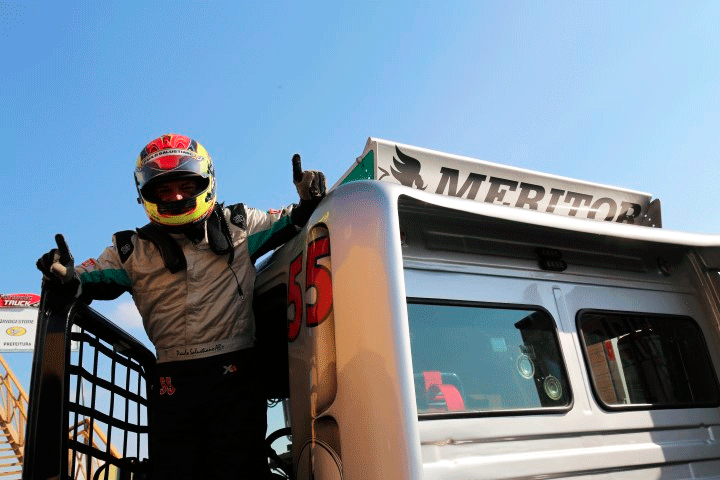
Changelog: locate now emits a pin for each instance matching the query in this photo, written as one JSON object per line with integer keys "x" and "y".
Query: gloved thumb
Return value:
{"x": 59, "y": 269}
{"x": 63, "y": 263}
{"x": 311, "y": 186}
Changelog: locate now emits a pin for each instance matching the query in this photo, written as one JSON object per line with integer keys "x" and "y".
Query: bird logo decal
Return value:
{"x": 406, "y": 170}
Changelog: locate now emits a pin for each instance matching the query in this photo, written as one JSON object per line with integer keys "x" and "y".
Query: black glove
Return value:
{"x": 311, "y": 186}
{"x": 58, "y": 268}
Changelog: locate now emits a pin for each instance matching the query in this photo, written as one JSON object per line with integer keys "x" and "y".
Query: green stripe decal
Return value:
{"x": 119, "y": 277}
{"x": 256, "y": 240}
{"x": 365, "y": 170}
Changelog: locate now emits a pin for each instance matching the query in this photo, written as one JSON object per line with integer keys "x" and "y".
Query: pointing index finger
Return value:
{"x": 63, "y": 249}
{"x": 297, "y": 168}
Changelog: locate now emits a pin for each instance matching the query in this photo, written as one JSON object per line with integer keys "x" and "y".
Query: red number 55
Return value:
{"x": 318, "y": 285}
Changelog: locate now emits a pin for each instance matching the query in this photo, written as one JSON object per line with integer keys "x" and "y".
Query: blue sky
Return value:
{"x": 620, "y": 93}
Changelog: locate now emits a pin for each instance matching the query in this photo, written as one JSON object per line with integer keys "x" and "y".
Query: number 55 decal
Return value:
{"x": 318, "y": 284}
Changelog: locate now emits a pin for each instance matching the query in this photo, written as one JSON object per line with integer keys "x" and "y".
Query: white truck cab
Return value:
{"x": 450, "y": 318}
{"x": 439, "y": 317}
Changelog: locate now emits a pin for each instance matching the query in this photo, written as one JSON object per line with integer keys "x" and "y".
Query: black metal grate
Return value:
{"x": 107, "y": 397}
{"x": 89, "y": 410}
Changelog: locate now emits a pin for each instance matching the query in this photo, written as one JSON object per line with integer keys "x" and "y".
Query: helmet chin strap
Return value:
{"x": 196, "y": 232}
{"x": 214, "y": 225}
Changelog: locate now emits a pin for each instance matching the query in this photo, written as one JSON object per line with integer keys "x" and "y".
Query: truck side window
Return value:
{"x": 476, "y": 358}
{"x": 642, "y": 360}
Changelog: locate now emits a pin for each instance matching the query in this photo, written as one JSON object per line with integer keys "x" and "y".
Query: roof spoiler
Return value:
{"x": 481, "y": 181}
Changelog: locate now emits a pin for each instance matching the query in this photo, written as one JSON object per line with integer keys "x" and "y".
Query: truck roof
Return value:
{"x": 532, "y": 217}
{"x": 481, "y": 219}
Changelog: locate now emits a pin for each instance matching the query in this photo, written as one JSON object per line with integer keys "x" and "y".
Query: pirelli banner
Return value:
{"x": 482, "y": 181}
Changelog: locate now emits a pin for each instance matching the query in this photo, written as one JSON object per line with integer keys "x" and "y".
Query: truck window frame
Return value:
{"x": 644, "y": 406}
{"x": 507, "y": 412}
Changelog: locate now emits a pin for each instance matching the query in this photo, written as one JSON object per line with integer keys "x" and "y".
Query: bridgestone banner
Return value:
{"x": 18, "y": 317}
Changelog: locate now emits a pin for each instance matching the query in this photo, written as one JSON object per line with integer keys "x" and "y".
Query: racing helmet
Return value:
{"x": 169, "y": 158}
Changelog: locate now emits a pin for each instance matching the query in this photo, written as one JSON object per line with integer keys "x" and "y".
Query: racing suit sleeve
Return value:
{"x": 103, "y": 278}
{"x": 267, "y": 230}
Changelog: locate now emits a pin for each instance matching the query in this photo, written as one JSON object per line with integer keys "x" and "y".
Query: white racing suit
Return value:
{"x": 209, "y": 411}
{"x": 206, "y": 308}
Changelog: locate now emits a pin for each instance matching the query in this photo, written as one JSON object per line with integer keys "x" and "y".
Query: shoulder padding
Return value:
{"x": 124, "y": 245}
{"x": 238, "y": 215}
{"x": 171, "y": 253}
{"x": 218, "y": 233}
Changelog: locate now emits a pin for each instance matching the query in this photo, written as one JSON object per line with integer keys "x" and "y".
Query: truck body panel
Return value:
{"x": 395, "y": 247}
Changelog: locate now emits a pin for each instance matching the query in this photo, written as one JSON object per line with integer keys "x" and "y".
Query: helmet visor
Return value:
{"x": 170, "y": 165}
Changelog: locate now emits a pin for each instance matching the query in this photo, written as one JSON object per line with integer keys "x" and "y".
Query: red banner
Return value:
{"x": 19, "y": 300}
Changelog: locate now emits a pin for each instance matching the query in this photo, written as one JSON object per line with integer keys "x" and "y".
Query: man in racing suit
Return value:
{"x": 191, "y": 274}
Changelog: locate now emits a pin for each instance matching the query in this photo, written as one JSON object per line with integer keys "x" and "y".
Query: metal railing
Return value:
{"x": 89, "y": 434}
{"x": 86, "y": 401}
{"x": 13, "y": 417}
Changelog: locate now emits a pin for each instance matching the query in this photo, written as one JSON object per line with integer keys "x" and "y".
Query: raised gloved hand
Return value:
{"x": 58, "y": 268}
{"x": 310, "y": 184}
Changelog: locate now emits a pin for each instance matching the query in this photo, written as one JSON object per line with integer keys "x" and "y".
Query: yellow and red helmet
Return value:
{"x": 169, "y": 158}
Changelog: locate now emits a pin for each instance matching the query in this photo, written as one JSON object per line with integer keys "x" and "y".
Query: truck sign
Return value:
{"x": 483, "y": 181}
